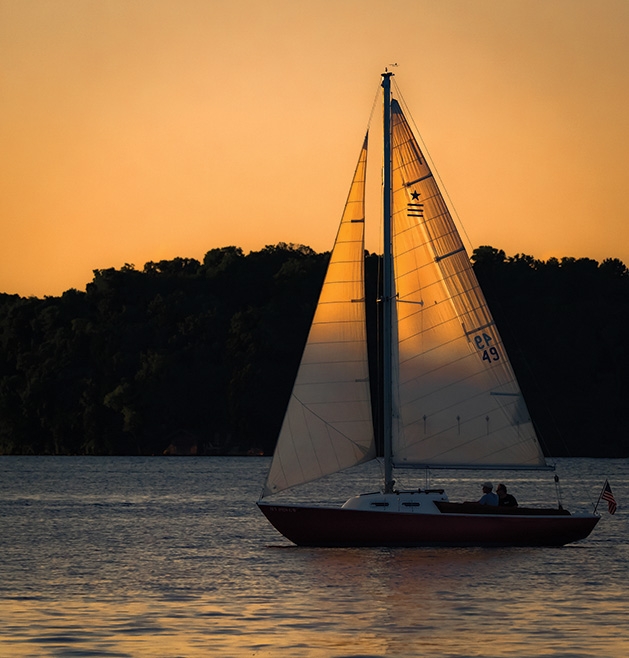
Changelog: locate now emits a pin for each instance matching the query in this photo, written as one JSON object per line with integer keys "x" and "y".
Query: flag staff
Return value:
{"x": 606, "y": 494}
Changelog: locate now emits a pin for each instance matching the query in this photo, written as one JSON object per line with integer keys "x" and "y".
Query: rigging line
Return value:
{"x": 373, "y": 106}
{"x": 329, "y": 425}
{"x": 377, "y": 103}
{"x": 376, "y": 409}
{"x": 433, "y": 166}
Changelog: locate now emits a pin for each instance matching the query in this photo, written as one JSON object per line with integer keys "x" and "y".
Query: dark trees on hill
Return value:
{"x": 182, "y": 352}
{"x": 564, "y": 323}
{"x": 185, "y": 356}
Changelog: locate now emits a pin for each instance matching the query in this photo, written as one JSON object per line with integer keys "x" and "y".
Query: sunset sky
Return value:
{"x": 138, "y": 130}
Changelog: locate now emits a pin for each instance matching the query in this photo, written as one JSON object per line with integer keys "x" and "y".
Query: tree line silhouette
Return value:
{"x": 189, "y": 357}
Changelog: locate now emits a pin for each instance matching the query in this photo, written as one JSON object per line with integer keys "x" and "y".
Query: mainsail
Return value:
{"x": 328, "y": 424}
{"x": 457, "y": 402}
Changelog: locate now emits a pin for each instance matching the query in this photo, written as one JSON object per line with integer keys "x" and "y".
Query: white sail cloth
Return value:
{"x": 457, "y": 402}
{"x": 328, "y": 425}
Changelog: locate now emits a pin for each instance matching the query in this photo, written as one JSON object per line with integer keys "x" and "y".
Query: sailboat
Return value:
{"x": 450, "y": 398}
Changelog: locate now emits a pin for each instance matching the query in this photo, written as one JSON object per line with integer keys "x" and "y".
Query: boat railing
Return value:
{"x": 477, "y": 508}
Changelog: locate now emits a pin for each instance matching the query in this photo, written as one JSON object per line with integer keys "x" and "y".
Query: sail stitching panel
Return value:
{"x": 452, "y": 253}
{"x": 331, "y": 396}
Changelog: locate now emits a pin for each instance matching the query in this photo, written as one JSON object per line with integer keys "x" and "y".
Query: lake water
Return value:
{"x": 170, "y": 557}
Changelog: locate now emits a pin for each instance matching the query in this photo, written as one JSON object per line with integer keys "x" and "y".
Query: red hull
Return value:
{"x": 327, "y": 526}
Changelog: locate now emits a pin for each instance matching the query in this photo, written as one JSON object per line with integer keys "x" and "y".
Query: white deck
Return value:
{"x": 410, "y": 502}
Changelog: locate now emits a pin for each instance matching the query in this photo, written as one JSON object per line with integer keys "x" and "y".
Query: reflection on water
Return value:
{"x": 170, "y": 557}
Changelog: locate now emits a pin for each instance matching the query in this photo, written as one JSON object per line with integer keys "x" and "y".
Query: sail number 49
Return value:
{"x": 484, "y": 343}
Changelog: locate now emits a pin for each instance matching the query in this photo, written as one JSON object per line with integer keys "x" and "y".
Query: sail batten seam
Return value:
{"x": 452, "y": 253}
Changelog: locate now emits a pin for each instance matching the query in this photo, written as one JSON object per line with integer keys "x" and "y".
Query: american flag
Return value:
{"x": 609, "y": 497}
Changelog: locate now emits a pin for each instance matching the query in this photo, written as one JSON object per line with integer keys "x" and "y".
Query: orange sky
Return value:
{"x": 144, "y": 130}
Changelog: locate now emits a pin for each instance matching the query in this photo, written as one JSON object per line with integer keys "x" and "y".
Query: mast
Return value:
{"x": 387, "y": 290}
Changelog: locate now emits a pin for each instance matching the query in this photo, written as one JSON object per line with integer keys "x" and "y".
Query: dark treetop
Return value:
{"x": 185, "y": 357}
